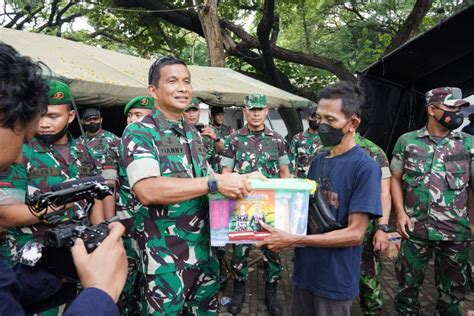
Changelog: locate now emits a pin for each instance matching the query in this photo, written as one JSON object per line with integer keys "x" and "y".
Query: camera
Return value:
{"x": 58, "y": 240}
{"x": 200, "y": 127}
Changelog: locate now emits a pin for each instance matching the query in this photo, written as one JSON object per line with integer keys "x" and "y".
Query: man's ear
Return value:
{"x": 72, "y": 116}
{"x": 152, "y": 91}
{"x": 430, "y": 110}
{"x": 355, "y": 123}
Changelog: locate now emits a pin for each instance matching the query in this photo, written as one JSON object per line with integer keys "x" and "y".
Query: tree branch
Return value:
{"x": 411, "y": 24}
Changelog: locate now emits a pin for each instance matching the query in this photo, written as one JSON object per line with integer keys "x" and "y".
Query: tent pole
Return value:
{"x": 77, "y": 117}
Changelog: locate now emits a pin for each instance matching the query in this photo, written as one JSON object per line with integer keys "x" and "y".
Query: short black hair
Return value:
{"x": 23, "y": 90}
{"x": 154, "y": 73}
{"x": 352, "y": 96}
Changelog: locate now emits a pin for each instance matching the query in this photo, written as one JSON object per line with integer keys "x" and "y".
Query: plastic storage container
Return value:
{"x": 281, "y": 203}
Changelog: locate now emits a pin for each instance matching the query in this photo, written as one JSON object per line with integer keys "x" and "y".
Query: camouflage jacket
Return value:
{"x": 169, "y": 237}
{"x": 211, "y": 153}
{"x": 104, "y": 149}
{"x": 223, "y": 131}
{"x": 375, "y": 152}
{"x": 246, "y": 151}
{"x": 12, "y": 191}
{"x": 303, "y": 146}
{"x": 436, "y": 183}
{"x": 42, "y": 167}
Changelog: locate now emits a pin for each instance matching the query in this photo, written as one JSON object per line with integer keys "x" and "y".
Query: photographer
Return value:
{"x": 23, "y": 98}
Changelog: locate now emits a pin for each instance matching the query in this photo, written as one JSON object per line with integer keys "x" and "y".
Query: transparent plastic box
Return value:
{"x": 280, "y": 203}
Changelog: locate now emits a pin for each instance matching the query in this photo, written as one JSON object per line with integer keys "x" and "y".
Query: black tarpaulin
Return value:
{"x": 395, "y": 85}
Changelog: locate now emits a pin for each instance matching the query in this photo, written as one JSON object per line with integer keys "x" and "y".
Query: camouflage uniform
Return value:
{"x": 104, "y": 149}
{"x": 179, "y": 271}
{"x": 41, "y": 168}
{"x": 245, "y": 152}
{"x": 303, "y": 146}
{"x": 435, "y": 178}
{"x": 371, "y": 296}
{"x": 223, "y": 131}
{"x": 211, "y": 153}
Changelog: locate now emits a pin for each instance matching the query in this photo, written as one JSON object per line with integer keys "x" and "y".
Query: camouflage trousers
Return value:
{"x": 452, "y": 273}
{"x": 240, "y": 267}
{"x": 130, "y": 297}
{"x": 183, "y": 292}
{"x": 370, "y": 291}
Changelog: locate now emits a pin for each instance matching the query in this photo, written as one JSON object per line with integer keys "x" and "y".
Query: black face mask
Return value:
{"x": 330, "y": 136}
{"x": 313, "y": 124}
{"x": 92, "y": 127}
{"x": 451, "y": 120}
{"x": 52, "y": 138}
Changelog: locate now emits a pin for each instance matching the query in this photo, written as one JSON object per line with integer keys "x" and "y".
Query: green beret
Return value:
{"x": 59, "y": 93}
{"x": 255, "y": 101}
{"x": 140, "y": 102}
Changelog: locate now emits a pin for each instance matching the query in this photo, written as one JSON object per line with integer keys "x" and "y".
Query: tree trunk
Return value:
{"x": 212, "y": 33}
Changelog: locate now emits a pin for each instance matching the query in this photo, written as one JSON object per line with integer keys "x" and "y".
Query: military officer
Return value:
{"x": 164, "y": 160}
{"x": 303, "y": 146}
{"x": 137, "y": 108}
{"x": 255, "y": 148}
{"x": 431, "y": 171}
{"x": 218, "y": 119}
{"x": 212, "y": 142}
{"x": 103, "y": 146}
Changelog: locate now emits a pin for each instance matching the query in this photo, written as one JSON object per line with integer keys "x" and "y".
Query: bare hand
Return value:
{"x": 256, "y": 175}
{"x": 209, "y": 132}
{"x": 106, "y": 267}
{"x": 403, "y": 221}
{"x": 278, "y": 240}
{"x": 233, "y": 185}
{"x": 380, "y": 241}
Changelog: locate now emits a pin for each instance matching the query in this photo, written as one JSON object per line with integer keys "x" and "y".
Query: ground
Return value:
{"x": 255, "y": 306}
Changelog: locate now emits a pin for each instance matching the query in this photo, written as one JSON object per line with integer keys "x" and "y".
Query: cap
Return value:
{"x": 140, "y": 102}
{"x": 194, "y": 104}
{"x": 255, "y": 101}
{"x": 216, "y": 110}
{"x": 59, "y": 93}
{"x": 90, "y": 112}
{"x": 446, "y": 95}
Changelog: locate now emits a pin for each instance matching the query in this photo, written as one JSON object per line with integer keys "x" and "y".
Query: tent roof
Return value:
{"x": 99, "y": 76}
{"x": 441, "y": 56}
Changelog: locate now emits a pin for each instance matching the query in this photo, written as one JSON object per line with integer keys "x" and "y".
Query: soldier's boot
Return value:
{"x": 271, "y": 299}
{"x": 238, "y": 298}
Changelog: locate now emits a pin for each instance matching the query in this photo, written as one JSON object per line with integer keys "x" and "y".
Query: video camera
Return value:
{"x": 59, "y": 239}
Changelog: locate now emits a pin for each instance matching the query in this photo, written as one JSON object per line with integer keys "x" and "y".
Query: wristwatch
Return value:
{"x": 212, "y": 184}
{"x": 217, "y": 140}
{"x": 383, "y": 227}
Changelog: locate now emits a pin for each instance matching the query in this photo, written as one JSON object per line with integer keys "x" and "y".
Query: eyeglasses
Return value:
{"x": 156, "y": 65}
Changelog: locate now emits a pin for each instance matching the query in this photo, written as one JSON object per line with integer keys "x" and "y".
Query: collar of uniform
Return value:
{"x": 101, "y": 131}
{"x": 423, "y": 132}
{"x": 162, "y": 122}
{"x": 244, "y": 131}
{"x": 42, "y": 147}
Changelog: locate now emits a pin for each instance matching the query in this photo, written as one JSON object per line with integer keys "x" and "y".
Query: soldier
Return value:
{"x": 212, "y": 142}
{"x": 137, "y": 108}
{"x": 218, "y": 118}
{"x": 431, "y": 169}
{"x": 303, "y": 146}
{"x": 103, "y": 145}
{"x": 255, "y": 148}
{"x": 164, "y": 161}
{"x": 50, "y": 158}
{"x": 376, "y": 238}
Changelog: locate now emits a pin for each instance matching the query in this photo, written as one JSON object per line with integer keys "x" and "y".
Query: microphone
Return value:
{"x": 79, "y": 182}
